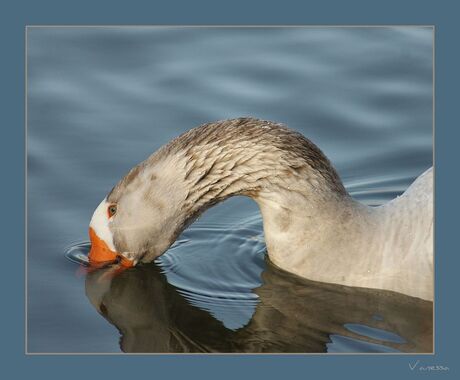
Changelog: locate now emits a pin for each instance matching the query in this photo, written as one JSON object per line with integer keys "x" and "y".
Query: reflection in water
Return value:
{"x": 292, "y": 315}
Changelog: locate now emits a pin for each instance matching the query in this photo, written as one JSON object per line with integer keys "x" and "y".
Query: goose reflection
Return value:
{"x": 292, "y": 315}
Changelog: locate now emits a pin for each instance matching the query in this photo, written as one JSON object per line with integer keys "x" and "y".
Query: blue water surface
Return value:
{"x": 100, "y": 100}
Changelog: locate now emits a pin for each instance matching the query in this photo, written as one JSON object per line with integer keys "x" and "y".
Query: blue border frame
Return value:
{"x": 288, "y": 12}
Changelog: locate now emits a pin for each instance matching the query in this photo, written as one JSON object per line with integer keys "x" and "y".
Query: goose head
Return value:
{"x": 139, "y": 218}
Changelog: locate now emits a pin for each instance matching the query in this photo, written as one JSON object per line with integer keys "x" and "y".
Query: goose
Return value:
{"x": 312, "y": 226}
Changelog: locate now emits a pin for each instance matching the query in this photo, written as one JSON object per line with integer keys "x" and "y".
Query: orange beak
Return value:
{"x": 100, "y": 253}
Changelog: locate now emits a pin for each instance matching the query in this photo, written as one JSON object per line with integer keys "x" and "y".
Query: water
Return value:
{"x": 100, "y": 100}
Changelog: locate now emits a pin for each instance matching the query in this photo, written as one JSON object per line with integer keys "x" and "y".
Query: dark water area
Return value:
{"x": 100, "y": 100}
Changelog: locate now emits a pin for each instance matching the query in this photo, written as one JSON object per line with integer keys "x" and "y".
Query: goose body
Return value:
{"x": 312, "y": 226}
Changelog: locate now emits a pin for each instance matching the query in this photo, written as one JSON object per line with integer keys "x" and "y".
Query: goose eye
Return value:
{"x": 112, "y": 210}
